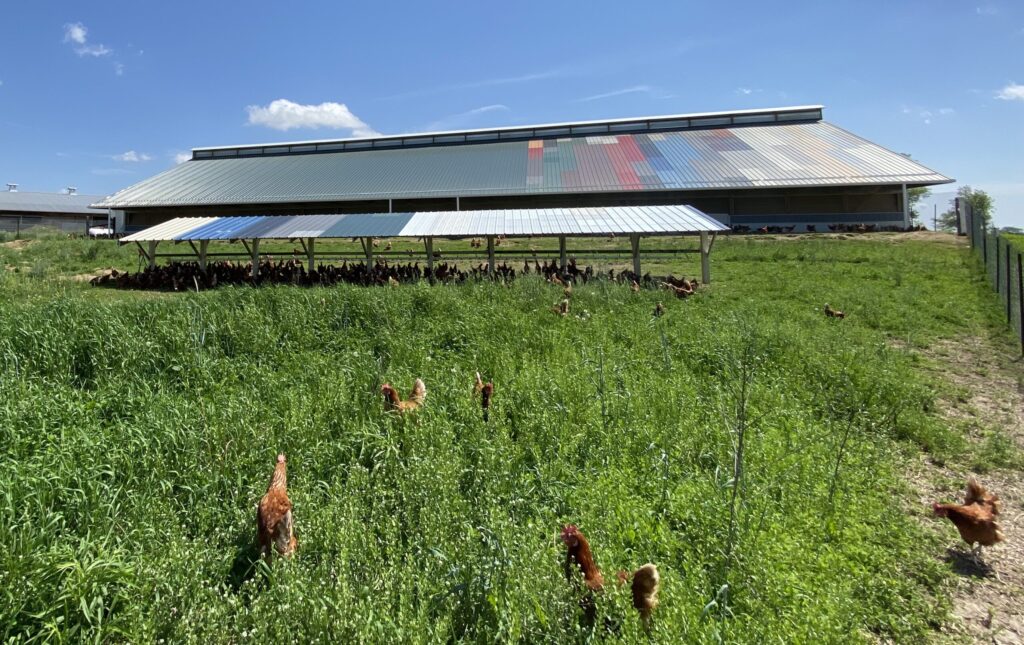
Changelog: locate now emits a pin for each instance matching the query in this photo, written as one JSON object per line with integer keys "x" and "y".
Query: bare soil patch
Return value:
{"x": 17, "y": 245}
{"x": 85, "y": 277}
{"x": 988, "y": 396}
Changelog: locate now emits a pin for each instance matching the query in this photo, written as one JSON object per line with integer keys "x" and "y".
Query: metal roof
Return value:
{"x": 620, "y": 220}
{"x": 22, "y": 202}
{"x": 517, "y": 132}
{"x": 799, "y": 154}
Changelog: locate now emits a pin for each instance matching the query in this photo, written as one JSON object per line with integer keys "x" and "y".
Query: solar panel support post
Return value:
{"x": 368, "y": 247}
{"x": 428, "y": 242}
{"x": 310, "y": 255}
{"x": 255, "y": 258}
{"x": 634, "y": 243}
{"x": 203, "y": 244}
{"x": 490, "y": 255}
{"x": 151, "y": 256}
{"x": 705, "y": 258}
{"x": 562, "y": 259}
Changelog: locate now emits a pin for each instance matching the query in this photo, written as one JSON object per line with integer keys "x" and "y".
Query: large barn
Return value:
{"x": 749, "y": 168}
{"x": 68, "y": 211}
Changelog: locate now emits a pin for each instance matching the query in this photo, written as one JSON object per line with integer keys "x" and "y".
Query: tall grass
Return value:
{"x": 743, "y": 442}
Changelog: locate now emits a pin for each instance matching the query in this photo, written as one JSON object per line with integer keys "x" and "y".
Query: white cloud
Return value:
{"x": 283, "y": 114}
{"x": 489, "y": 82}
{"x": 625, "y": 90}
{"x": 76, "y": 34}
{"x": 119, "y": 69}
{"x": 93, "y": 50}
{"x": 132, "y": 157}
{"x": 746, "y": 91}
{"x": 987, "y": 10}
{"x": 110, "y": 171}
{"x": 1012, "y": 92}
{"x": 927, "y": 115}
{"x": 182, "y": 157}
{"x": 457, "y": 120}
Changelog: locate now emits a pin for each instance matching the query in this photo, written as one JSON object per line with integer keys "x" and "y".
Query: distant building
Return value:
{"x": 749, "y": 168}
{"x": 68, "y": 211}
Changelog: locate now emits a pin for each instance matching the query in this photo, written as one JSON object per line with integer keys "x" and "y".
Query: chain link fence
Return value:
{"x": 1003, "y": 262}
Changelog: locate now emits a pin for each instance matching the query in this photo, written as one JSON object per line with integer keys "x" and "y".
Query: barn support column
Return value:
{"x": 310, "y": 255}
{"x": 906, "y": 207}
{"x": 634, "y": 243}
{"x": 152, "y": 254}
{"x": 705, "y": 258}
{"x": 428, "y": 242}
{"x": 562, "y": 259}
{"x": 255, "y": 258}
{"x": 203, "y": 244}
{"x": 490, "y": 255}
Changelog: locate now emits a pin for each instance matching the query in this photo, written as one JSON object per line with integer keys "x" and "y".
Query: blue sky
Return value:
{"x": 100, "y": 95}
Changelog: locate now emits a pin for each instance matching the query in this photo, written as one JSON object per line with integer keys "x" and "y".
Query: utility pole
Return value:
{"x": 935, "y": 217}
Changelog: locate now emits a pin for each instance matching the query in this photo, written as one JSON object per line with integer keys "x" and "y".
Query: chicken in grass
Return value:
{"x": 646, "y": 583}
{"x": 683, "y": 290}
{"x": 659, "y": 310}
{"x": 274, "y": 525}
{"x": 975, "y": 519}
{"x": 414, "y": 402}
{"x": 562, "y": 309}
{"x": 485, "y": 390}
{"x": 567, "y": 291}
{"x": 833, "y": 313}
{"x": 578, "y": 555}
{"x": 635, "y": 286}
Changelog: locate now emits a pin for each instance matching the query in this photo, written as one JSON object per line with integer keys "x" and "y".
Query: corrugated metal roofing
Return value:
{"x": 754, "y": 156}
{"x": 22, "y": 202}
{"x": 620, "y": 220}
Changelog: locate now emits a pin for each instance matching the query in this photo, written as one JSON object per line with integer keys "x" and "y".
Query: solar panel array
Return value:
{"x": 624, "y": 220}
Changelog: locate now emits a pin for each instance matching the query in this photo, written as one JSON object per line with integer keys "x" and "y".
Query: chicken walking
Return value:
{"x": 274, "y": 524}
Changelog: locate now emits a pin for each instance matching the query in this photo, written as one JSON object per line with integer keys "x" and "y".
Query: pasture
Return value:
{"x": 750, "y": 447}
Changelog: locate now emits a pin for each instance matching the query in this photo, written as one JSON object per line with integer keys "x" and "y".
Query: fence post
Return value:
{"x": 1020, "y": 301}
{"x": 984, "y": 252}
{"x": 1009, "y": 299}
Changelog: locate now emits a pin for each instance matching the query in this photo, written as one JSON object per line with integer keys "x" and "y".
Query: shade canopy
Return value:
{"x": 540, "y": 222}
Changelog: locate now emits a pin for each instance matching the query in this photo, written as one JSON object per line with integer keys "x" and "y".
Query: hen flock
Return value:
{"x": 834, "y": 228}
{"x": 185, "y": 276}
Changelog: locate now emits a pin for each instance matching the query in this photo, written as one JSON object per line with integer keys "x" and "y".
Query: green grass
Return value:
{"x": 139, "y": 430}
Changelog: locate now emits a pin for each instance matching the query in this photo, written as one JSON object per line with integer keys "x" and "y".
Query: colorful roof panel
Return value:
{"x": 755, "y": 156}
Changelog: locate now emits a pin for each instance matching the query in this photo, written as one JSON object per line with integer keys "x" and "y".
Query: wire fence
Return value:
{"x": 1004, "y": 265}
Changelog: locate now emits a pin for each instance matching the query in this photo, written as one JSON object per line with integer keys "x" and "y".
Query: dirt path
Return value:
{"x": 988, "y": 402}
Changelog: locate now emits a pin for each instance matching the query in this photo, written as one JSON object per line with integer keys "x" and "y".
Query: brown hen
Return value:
{"x": 274, "y": 525}
{"x": 395, "y": 402}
